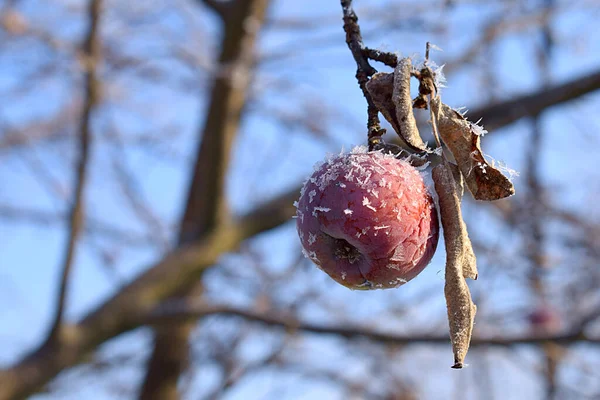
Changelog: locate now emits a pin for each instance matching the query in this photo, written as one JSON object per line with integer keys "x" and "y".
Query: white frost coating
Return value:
{"x": 343, "y": 275}
{"x": 398, "y": 214}
{"x": 348, "y": 211}
{"x": 397, "y": 282}
{"x": 435, "y": 47}
{"x": 367, "y": 204}
{"x": 322, "y": 209}
{"x": 310, "y": 254}
{"x": 438, "y": 76}
{"x": 500, "y": 166}
{"x": 462, "y": 110}
{"x": 303, "y": 188}
{"x": 300, "y": 214}
{"x": 330, "y": 158}
{"x": 341, "y": 184}
{"x": 311, "y": 194}
{"x": 381, "y": 227}
{"x": 349, "y": 177}
{"x": 296, "y": 204}
{"x": 311, "y": 238}
{"x": 478, "y": 129}
{"x": 360, "y": 150}
{"x": 382, "y": 182}
{"x": 375, "y": 193}
{"x": 326, "y": 179}
{"x": 379, "y": 165}
{"x": 367, "y": 178}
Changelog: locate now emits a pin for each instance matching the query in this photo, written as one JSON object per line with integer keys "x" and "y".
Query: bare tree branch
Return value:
{"x": 363, "y": 69}
{"x": 495, "y": 116}
{"x": 206, "y": 207}
{"x": 122, "y": 312}
{"x": 91, "y": 226}
{"x": 91, "y": 48}
{"x": 178, "y": 270}
{"x": 220, "y": 7}
{"x": 180, "y": 311}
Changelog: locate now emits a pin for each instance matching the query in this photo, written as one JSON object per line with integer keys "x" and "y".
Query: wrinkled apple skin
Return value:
{"x": 367, "y": 220}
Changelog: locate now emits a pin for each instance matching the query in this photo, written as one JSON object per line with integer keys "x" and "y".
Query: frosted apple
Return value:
{"x": 367, "y": 220}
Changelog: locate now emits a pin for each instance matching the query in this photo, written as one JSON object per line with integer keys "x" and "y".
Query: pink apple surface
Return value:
{"x": 367, "y": 220}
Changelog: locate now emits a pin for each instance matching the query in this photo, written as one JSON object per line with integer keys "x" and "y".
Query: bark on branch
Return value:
{"x": 206, "y": 207}
{"x": 91, "y": 51}
{"x": 495, "y": 116}
{"x": 291, "y": 324}
{"x": 124, "y": 311}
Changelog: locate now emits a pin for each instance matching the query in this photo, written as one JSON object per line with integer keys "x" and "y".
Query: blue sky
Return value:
{"x": 322, "y": 73}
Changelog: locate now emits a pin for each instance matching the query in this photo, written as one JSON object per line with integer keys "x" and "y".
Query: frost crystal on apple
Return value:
{"x": 348, "y": 201}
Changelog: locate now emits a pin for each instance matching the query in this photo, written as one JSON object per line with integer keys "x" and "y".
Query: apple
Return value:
{"x": 367, "y": 219}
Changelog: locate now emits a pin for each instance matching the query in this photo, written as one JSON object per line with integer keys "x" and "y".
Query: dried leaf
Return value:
{"x": 391, "y": 95}
{"x": 381, "y": 87}
{"x": 460, "y": 262}
{"x": 458, "y": 179}
{"x": 404, "y": 105}
{"x": 483, "y": 180}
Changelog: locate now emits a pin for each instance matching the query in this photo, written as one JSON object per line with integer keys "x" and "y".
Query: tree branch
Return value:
{"x": 179, "y": 311}
{"x": 364, "y": 70}
{"x": 124, "y": 310}
{"x": 91, "y": 50}
{"x": 206, "y": 207}
{"x": 219, "y": 7}
{"x": 495, "y": 116}
{"x": 121, "y": 313}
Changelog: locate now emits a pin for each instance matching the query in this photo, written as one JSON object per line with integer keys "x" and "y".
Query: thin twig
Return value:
{"x": 384, "y": 57}
{"x": 364, "y": 70}
{"x": 91, "y": 49}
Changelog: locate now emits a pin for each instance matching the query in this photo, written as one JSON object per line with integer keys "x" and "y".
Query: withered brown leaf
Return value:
{"x": 484, "y": 181}
{"x": 460, "y": 261}
{"x": 391, "y": 95}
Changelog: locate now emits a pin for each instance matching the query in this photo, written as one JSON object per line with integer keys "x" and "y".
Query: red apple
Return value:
{"x": 367, "y": 220}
